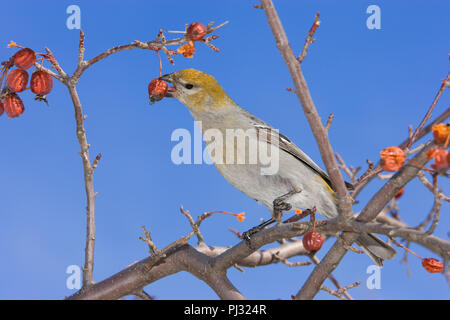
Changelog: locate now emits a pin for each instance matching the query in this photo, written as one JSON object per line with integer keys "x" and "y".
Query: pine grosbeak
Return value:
{"x": 298, "y": 182}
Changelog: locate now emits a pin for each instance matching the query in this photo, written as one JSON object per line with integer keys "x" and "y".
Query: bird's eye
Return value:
{"x": 189, "y": 86}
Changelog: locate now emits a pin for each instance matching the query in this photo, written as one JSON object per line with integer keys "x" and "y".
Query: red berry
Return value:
{"x": 17, "y": 80}
{"x": 24, "y": 58}
{"x": 157, "y": 89}
{"x": 432, "y": 265}
{"x": 13, "y": 105}
{"x": 41, "y": 83}
{"x": 196, "y": 31}
{"x": 1, "y": 108}
{"x": 312, "y": 241}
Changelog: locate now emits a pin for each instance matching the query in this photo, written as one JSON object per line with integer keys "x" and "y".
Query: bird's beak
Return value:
{"x": 168, "y": 78}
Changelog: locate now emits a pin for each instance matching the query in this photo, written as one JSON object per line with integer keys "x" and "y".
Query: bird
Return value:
{"x": 298, "y": 182}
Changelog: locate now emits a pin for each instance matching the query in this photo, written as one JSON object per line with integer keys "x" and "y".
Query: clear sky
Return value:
{"x": 376, "y": 82}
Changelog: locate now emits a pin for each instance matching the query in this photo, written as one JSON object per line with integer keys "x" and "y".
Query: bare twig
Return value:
{"x": 194, "y": 226}
{"x": 351, "y": 172}
{"x": 151, "y": 245}
{"x": 340, "y": 291}
{"x": 55, "y": 64}
{"x": 428, "y": 114}
{"x": 81, "y": 49}
{"x": 291, "y": 264}
{"x": 96, "y": 160}
{"x": 332, "y": 278}
{"x": 309, "y": 38}
{"x": 329, "y": 121}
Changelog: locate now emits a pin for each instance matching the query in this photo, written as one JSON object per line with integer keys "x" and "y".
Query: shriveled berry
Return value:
{"x": 312, "y": 241}
{"x": 432, "y": 265}
{"x": 24, "y": 58}
{"x": 17, "y": 80}
{"x": 441, "y": 159}
{"x": 13, "y": 105}
{"x": 157, "y": 89}
{"x": 41, "y": 83}
{"x": 196, "y": 31}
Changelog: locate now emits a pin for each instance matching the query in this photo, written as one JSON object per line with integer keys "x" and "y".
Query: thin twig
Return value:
{"x": 329, "y": 121}
{"x": 340, "y": 291}
{"x": 430, "y": 109}
{"x": 158, "y": 44}
{"x": 194, "y": 226}
{"x": 291, "y": 264}
{"x": 351, "y": 172}
{"x": 331, "y": 277}
{"x": 81, "y": 49}
{"x": 309, "y": 38}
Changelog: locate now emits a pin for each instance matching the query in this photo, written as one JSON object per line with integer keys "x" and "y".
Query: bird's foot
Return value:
{"x": 247, "y": 234}
{"x": 280, "y": 205}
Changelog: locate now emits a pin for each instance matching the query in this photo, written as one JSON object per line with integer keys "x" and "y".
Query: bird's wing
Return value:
{"x": 286, "y": 145}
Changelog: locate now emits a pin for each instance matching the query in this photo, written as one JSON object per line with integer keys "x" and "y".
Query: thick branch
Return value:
{"x": 138, "y": 275}
{"x": 303, "y": 94}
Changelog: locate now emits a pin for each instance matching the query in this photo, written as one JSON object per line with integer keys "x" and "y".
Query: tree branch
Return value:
{"x": 303, "y": 94}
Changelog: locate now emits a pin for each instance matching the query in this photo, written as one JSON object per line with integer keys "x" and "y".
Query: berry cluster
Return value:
{"x": 41, "y": 82}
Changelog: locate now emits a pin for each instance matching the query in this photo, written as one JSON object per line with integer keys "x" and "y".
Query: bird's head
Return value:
{"x": 199, "y": 91}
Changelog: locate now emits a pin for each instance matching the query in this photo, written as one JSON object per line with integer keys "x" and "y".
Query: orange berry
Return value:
{"x": 392, "y": 158}
{"x": 441, "y": 159}
{"x": 187, "y": 50}
{"x": 441, "y": 132}
{"x": 432, "y": 265}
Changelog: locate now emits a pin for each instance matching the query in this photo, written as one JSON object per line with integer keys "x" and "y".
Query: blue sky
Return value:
{"x": 376, "y": 82}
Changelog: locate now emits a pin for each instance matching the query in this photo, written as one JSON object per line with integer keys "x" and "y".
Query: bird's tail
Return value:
{"x": 375, "y": 248}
